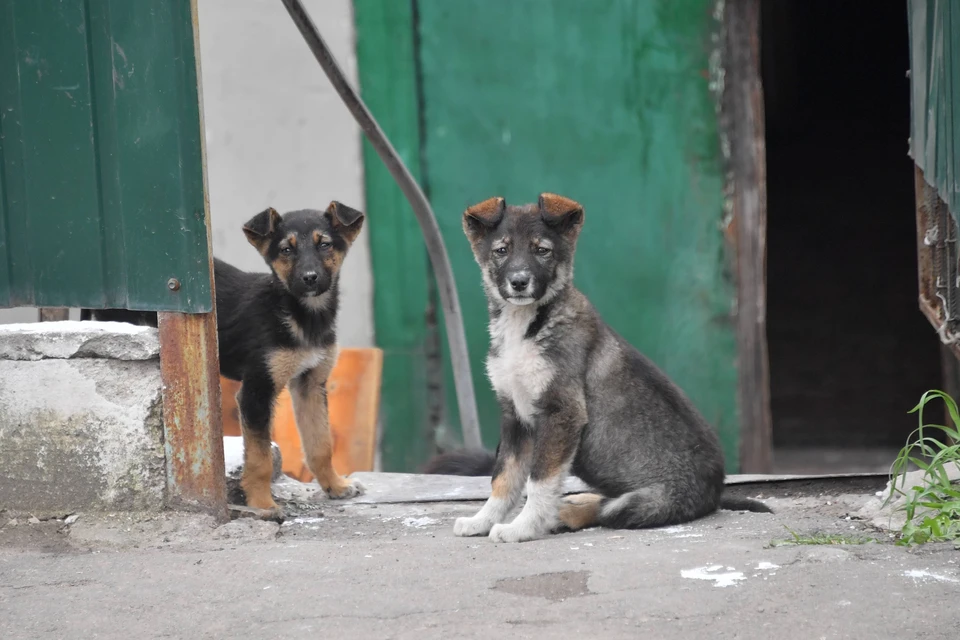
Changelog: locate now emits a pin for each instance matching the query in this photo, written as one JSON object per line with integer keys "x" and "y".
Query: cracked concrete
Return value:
{"x": 396, "y": 571}
{"x": 80, "y": 417}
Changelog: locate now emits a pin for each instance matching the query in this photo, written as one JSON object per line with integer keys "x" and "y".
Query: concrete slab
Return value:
{"x": 74, "y": 339}
{"x": 387, "y": 488}
{"x": 887, "y": 514}
{"x": 384, "y": 488}
{"x": 80, "y": 418}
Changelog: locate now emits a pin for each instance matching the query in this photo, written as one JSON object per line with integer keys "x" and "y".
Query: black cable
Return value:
{"x": 456, "y": 336}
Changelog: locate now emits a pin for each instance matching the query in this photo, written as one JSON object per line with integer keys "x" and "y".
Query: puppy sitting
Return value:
{"x": 575, "y": 396}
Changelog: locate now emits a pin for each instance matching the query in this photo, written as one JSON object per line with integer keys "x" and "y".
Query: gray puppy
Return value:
{"x": 576, "y": 397}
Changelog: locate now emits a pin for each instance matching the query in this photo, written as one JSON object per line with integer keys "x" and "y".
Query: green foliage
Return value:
{"x": 819, "y": 539}
{"x": 933, "y": 505}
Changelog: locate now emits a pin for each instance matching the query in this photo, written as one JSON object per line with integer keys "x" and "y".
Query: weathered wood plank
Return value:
{"x": 743, "y": 125}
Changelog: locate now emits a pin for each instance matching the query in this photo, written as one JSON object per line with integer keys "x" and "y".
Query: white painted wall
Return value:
{"x": 277, "y": 135}
{"x": 27, "y": 314}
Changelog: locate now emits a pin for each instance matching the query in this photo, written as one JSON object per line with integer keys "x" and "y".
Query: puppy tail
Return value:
{"x": 735, "y": 503}
{"x": 462, "y": 462}
{"x": 654, "y": 507}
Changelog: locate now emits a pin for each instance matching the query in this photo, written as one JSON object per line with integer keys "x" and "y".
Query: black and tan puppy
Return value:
{"x": 278, "y": 329}
{"x": 575, "y": 396}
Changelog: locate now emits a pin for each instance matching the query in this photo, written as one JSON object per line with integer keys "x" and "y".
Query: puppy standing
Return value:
{"x": 575, "y": 396}
{"x": 279, "y": 329}
{"x": 276, "y": 330}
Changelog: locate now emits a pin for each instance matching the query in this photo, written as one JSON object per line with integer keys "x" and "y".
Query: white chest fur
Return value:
{"x": 519, "y": 370}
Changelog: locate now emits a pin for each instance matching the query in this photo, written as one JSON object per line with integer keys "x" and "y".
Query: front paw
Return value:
{"x": 262, "y": 501}
{"x": 274, "y": 514}
{"x": 346, "y": 489}
{"x": 475, "y": 526}
{"x": 513, "y": 532}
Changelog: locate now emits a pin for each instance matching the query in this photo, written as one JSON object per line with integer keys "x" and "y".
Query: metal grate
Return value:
{"x": 937, "y": 261}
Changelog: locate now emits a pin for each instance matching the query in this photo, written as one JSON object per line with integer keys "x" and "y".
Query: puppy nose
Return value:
{"x": 519, "y": 281}
{"x": 310, "y": 277}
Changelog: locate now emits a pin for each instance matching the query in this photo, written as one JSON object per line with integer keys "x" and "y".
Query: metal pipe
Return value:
{"x": 456, "y": 337}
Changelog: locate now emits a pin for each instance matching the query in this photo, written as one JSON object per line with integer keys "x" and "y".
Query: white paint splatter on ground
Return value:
{"x": 923, "y": 574}
{"x": 303, "y": 520}
{"x": 681, "y": 531}
{"x": 728, "y": 579}
{"x": 419, "y": 523}
{"x": 766, "y": 566}
{"x": 675, "y": 529}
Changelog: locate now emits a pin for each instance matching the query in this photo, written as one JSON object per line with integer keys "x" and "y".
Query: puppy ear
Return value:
{"x": 261, "y": 227}
{"x": 563, "y": 214}
{"x": 482, "y": 217}
{"x": 346, "y": 221}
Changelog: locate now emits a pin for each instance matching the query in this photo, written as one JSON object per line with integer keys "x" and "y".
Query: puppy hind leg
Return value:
{"x": 579, "y": 511}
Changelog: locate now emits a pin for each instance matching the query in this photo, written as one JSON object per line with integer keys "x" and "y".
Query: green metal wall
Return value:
{"x": 935, "y": 83}
{"x": 608, "y": 103}
{"x": 386, "y": 59}
{"x": 101, "y": 178}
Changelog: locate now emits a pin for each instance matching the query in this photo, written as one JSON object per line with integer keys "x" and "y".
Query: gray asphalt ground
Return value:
{"x": 396, "y": 571}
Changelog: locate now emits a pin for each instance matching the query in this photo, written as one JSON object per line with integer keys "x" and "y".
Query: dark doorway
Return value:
{"x": 850, "y": 353}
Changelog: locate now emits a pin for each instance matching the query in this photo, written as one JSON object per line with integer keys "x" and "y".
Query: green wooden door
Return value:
{"x": 101, "y": 177}
{"x": 607, "y": 103}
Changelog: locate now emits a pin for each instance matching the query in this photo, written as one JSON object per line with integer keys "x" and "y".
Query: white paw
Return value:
{"x": 513, "y": 532}
{"x": 351, "y": 489}
{"x": 475, "y": 526}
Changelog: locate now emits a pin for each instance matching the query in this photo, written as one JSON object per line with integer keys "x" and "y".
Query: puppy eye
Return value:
{"x": 542, "y": 251}
{"x": 286, "y": 251}
{"x": 500, "y": 251}
{"x": 324, "y": 245}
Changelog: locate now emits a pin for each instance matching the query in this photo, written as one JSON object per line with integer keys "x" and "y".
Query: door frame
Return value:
{"x": 742, "y": 132}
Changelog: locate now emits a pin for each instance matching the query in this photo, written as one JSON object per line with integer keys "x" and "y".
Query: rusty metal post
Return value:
{"x": 193, "y": 431}
{"x": 190, "y": 368}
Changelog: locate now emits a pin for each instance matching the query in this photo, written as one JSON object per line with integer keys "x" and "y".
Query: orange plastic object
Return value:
{"x": 353, "y": 398}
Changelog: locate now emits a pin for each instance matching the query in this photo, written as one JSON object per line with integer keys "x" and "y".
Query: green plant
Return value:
{"x": 933, "y": 505}
{"x": 819, "y": 539}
